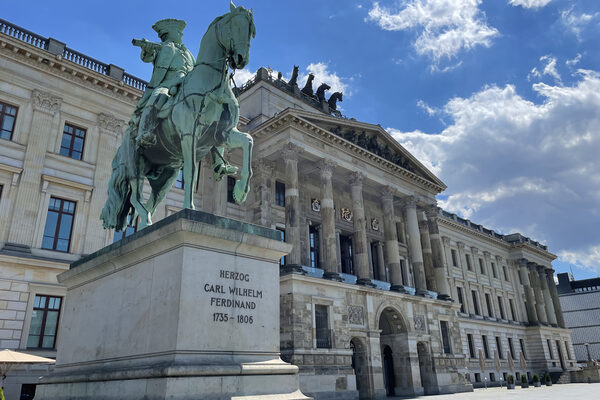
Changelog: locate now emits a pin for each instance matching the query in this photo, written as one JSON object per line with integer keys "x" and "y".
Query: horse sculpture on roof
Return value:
{"x": 201, "y": 117}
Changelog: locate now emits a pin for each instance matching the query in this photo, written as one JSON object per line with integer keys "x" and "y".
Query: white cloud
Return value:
{"x": 529, "y": 3}
{"x": 445, "y": 27}
{"x": 242, "y": 76}
{"x": 425, "y": 107}
{"x": 574, "y": 61}
{"x": 576, "y": 22}
{"x": 514, "y": 165}
{"x": 549, "y": 69}
{"x": 323, "y": 75}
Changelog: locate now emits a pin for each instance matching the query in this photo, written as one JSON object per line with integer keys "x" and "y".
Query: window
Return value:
{"x": 492, "y": 377}
{"x": 511, "y": 347}
{"x": 59, "y": 225}
{"x": 1, "y": 189}
{"x": 570, "y": 357}
{"x": 282, "y": 236}
{"x": 550, "y": 348}
{"x": 471, "y": 345}
{"x": 230, "y": 186}
{"x": 475, "y": 302}
{"x": 488, "y": 303}
{"x": 280, "y": 194}
{"x": 72, "y": 142}
{"x": 486, "y": 350}
{"x": 375, "y": 261}
{"x": 512, "y": 309}
{"x": 454, "y": 258}
{"x": 445, "y": 337}
{"x": 499, "y": 347}
{"x": 179, "y": 181}
{"x": 130, "y": 229}
{"x": 322, "y": 331}
{"x": 477, "y": 377}
{"x": 505, "y": 273}
{"x": 468, "y": 258}
{"x": 346, "y": 254}
{"x": 501, "y": 308}
{"x": 313, "y": 236}
{"x": 481, "y": 267}
{"x": 28, "y": 391}
{"x": 494, "y": 272}
{"x": 459, "y": 292}
{"x": 522, "y": 344}
{"x": 8, "y": 115}
{"x": 44, "y": 322}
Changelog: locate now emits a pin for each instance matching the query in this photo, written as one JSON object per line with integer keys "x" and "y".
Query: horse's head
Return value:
{"x": 235, "y": 31}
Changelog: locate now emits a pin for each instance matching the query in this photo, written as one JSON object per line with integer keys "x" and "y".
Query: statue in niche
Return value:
{"x": 372, "y": 144}
{"x": 294, "y": 79}
{"x": 333, "y": 99}
{"x": 321, "y": 92}
{"x": 350, "y": 136}
{"x": 308, "y": 89}
{"x": 386, "y": 153}
{"x": 337, "y": 131}
{"x": 362, "y": 140}
{"x": 198, "y": 115}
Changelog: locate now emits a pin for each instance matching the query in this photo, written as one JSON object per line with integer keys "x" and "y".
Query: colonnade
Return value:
{"x": 541, "y": 297}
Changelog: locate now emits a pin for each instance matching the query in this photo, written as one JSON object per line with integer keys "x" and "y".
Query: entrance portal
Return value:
{"x": 388, "y": 372}
{"x": 395, "y": 354}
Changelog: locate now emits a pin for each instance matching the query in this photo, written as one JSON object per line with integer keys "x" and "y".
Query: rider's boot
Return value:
{"x": 148, "y": 123}
{"x": 221, "y": 169}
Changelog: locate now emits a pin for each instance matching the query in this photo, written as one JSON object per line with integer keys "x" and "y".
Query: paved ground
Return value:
{"x": 554, "y": 392}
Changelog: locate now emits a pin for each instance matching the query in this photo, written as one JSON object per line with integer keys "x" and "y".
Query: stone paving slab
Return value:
{"x": 554, "y": 392}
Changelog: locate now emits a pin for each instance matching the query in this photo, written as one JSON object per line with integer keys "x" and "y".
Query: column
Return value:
{"x": 555, "y": 300}
{"x": 414, "y": 244}
{"x": 391, "y": 240}
{"x": 110, "y": 128}
{"x": 292, "y": 208}
{"x": 381, "y": 262}
{"x": 437, "y": 251}
{"x": 540, "y": 308}
{"x": 361, "y": 251}
{"x": 263, "y": 174}
{"x": 529, "y": 296}
{"x": 27, "y": 202}
{"x": 329, "y": 236}
{"x": 550, "y": 313}
{"x": 427, "y": 256}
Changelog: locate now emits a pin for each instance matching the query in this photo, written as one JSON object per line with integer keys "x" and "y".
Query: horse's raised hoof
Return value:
{"x": 222, "y": 170}
{"x": 239, "y": 192}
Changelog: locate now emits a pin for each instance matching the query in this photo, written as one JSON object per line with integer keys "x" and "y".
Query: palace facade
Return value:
{"x": 383, "y": 293}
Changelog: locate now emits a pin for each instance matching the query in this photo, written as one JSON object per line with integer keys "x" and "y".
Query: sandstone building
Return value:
{"x": 383, "y": 293}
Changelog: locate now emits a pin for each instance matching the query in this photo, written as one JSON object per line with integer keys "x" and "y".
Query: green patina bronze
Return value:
{"x": 187, "y": 111}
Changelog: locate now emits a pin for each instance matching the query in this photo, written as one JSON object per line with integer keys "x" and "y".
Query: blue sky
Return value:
{"x": 500, "y": 98}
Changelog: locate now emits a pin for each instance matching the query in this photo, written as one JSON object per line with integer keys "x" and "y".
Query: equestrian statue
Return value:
{"x": 187, "y": 112}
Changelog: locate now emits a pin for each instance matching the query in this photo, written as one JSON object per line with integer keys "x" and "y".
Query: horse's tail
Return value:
{"x": 118, "y": 206}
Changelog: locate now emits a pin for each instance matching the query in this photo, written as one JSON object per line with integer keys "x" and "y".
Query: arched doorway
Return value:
{"x": 397, "y": 377}
{"x": 359, "y": 364}
{"x": 389, "y": 379}
{"x": 426, "y": 369}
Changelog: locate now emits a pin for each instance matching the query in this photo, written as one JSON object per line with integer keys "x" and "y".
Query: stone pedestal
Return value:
{"x": 187, "y": 308}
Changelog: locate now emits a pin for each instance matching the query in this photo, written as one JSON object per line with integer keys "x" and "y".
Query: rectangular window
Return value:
{"x": 471, "y": 345}
{"x": 59, "y": 225}
{"x": 499, "y": 347}
{"x": 179, "y": 181}
{"x": 505, "y": 273}
{"x": 481, "y": 267}
{"x": 313, "y": 236}
{"x": 522, "y": 344}
{"x": 8, "y": 115}
{"x": 375, "y": 261}
{"x": 475, "y": 302}
{"x": 130, "y": 229}
{"x": 492, "y": 377}
{"x": 230, "y": 186}
{"x": 73, "y": 139}
{"x": 282, "y": 237}
{"x": 44, "y": 322}
{"x": 280, "y": 194}
{"x": 477, "y": 377}
{"x": 494, "y": 272}
{"x": 461, "y": 300}
{"x": 322, "y": 331}
{"x": 346, "y": 254}
{"x": 501, "y": 307}
{"x": 486, "y": 350}
{"x": 488, "y": 303}
{"x": 468, "y": 258}
{"x": 511, "y": 348}
{"x": 445, "y": 337}
{"x": 454, "y": 258}
{"x": 550, "y": 348}
{"x": 512, "y": 310}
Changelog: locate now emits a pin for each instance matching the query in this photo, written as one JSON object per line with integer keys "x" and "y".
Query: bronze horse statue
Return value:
{"x": 202, "y": 116}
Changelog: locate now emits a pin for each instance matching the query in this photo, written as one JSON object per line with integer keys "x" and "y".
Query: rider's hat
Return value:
{"x": 168, "y": 25}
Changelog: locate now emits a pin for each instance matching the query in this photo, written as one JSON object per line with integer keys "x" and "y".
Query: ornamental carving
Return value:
{"x": 356, "y": 179}
{"x": 355, "y": 315}
{"x": 375, "y": 224}
{"x": 419, "y": 323}
{"x": 110, "y": 123}
{"x": 346, "y": 214}
{"x": 315, "y": 205}
{"x": 45, "y": 101}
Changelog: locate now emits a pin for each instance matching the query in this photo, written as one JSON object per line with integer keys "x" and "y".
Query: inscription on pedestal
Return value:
{"x": 233, "y": 297}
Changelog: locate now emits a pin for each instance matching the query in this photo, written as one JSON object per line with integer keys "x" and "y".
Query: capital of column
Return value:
{"x": 45, "y": 102}
{"x": 387, "y": 193}
{"x": 263, "y": 169}
{"x": 356, "y": 179}
{"x": 446, "y": 240}
{"x": 474, "y": 250}
{"x": 409, "y": 202}
{"x": 327, "y": 166}
{"x": 499, "y": 259}
{"x": 532, "y": 266}
{"x": 522, "y": 262}
{"x": 290, "y": 152}
{"x": 432, "y": 212}
{"x": 460, "y": 245}
{"x": 486, "y": 255}
{"x": 110, "y": 123}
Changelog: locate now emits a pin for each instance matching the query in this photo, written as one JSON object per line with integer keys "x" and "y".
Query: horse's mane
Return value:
{"x": 231, "y": 14}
